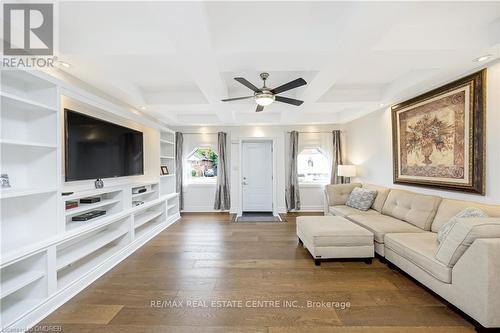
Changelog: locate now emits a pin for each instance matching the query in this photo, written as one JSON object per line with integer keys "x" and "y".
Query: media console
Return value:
{"x": 46, "y": 256}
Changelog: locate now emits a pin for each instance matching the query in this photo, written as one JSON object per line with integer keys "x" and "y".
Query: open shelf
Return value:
{"x": 23, "y": 285}
{"x": 27, "y": 143}
{"x": 82, "y": 208}
{"x": 22, "y": 192}
{"x": 111, "y": 200}
{"x": 148, "y": 196}
{"x": 79, "y": 256}
{"x": 83, "y": 252}
{"x": 167, "y": 157}
{"x": 143, "y": 218}
{"x": 143, "y": 193}
{"x": 27, "y": 220}
{"x": 21, "y": 280}
{"x": 28, "y": 88}
{"x": 101, "y": 239}
{"x": 12, "y": 101}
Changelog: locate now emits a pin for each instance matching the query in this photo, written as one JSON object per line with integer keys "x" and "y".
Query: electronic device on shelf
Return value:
{"x": 90, "y": 200}
{"x": 89, "y": 215}
{"x": 138, "y": 190}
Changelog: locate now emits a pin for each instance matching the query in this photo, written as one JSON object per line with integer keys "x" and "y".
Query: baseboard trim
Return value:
{"x": 30, "y": 319}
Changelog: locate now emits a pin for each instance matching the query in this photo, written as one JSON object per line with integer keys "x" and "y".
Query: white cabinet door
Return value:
{"x": 257, "y": 176}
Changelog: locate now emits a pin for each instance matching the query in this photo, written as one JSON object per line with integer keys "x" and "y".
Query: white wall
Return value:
{"x": 369, "y": 146}
{"x": 200, "y": 197}
{"x": 151, "y": 147}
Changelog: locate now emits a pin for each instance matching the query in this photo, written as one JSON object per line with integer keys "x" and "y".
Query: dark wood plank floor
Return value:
{"x": 206, "y": 274}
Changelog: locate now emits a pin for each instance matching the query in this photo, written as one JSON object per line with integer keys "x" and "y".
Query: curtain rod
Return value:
{"x": 330, "y": 132}
{"x": 199, "y": 133}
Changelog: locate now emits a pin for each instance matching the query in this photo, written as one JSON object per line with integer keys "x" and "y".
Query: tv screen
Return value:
{"x": 100, "y": 149}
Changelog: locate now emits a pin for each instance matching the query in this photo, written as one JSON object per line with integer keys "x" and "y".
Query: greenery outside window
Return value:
{"x": 202, "y": 165}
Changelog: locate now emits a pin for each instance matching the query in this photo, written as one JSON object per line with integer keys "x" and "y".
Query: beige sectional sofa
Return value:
{"x": 405, "y": 226}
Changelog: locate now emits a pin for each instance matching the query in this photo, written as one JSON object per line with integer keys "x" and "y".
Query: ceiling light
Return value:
{"x": 64, "y": 64}
{"x": 483, "y": 58}
{"x": 143, "y": 108}
{"x": 381, "y": 104}
{"x": 264, "y": 99}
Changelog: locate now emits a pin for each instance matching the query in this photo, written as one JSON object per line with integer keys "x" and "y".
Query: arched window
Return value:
{"x": 202, "y": 164}
{"x": 313, "y": 166}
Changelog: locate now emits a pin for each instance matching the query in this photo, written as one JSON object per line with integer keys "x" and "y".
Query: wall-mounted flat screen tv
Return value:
{"x": 95, "y": 148}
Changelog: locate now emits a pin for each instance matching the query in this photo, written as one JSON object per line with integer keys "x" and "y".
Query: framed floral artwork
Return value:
{"x": 439, "y": 137}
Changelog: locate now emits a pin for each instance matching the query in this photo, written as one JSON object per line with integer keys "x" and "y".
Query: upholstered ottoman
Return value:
{"x": 328, "y": 237}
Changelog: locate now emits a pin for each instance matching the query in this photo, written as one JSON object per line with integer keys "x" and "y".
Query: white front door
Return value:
{"x": 257, "y": 176}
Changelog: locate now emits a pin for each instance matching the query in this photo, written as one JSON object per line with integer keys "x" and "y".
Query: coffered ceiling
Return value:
{"x": 178, "y": 59}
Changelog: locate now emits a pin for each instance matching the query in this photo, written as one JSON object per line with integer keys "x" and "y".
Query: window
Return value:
{"x": 202, "y": 164}
{"x": 313, "y": 166}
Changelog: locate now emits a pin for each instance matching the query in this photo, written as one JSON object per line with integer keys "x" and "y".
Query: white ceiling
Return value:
{"x": 179, "y": 58}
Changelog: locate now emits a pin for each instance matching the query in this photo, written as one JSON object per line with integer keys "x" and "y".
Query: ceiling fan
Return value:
{"x": 265, "y": 96}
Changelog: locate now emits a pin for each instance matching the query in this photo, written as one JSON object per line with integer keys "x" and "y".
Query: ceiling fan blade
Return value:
{"x": 293, "y": 101}
{"x": 246, "y": 83}
{"x": 290, "y": 85}
{"x": 259, "y": 108}
{"x": 236, "y": 98}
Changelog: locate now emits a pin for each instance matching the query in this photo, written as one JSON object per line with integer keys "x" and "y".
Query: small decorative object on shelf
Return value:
{"x": 89, "y": 215}
{"x": 4, "y": 181}
{"x": 99, "y": 183}
{"x": 71, "y": 204}
{"x": 138, "y": 190}
{"x": 164, "y": 170}
{"x": 90, "y": 200}
{"x": 137, "y": 203}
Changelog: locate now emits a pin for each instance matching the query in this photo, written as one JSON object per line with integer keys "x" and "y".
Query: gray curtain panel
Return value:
{"x": 179, "y": 141}
{"x": 222, "y": 195}
{"x": 336, "y": 158}
{"x": 292, "y": 195}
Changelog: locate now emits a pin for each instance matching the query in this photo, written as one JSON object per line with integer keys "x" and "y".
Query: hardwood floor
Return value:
{"x": 206, "y": 274}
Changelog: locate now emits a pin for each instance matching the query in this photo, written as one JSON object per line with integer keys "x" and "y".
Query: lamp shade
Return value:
{"x": 346, "y": 170}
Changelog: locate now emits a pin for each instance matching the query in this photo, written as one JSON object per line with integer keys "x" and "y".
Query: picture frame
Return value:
{"x": 164, "y": 170}
{"x": 438, "y": 138}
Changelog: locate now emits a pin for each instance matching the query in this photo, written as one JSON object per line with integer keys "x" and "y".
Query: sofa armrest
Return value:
{"x": 337, "y": 194}
{"x": 326, "y": 206}
{"x": 476, "y": 281}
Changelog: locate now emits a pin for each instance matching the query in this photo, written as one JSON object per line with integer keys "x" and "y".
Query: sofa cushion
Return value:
{"x": 382, "y": 224}
{"x": 449, "y": 208}
{"x": 382, "y": 193}
{"x": 361, "y": 198}
{"x": 463, "y": 234}
{"x": 419, "y": 248}
{"x": 337, "y": 194}
{"x": 343, "y": 210}
{"x": 467, "y": 212}
{"x": 414, "y": 208}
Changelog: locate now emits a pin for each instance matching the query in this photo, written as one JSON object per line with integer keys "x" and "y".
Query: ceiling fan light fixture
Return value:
{"x": 264, "y": 99}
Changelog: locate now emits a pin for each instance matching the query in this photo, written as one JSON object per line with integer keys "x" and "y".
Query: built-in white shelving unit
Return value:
{"x": 46, "y": 257}
{"x": 167, "y": 157}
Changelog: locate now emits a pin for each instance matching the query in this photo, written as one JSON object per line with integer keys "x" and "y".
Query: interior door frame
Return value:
{"x": 273, "y": 141}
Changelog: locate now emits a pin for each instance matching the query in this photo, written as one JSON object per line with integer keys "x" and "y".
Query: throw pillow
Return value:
{"x": 361, "y": 198}
{"x": 467, "y": 212}
{"x": 463, "y": 234}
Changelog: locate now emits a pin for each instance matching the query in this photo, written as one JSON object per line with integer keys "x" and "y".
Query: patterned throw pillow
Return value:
{"x": 361, "y": 198}
{"x": 467, "y": 212}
